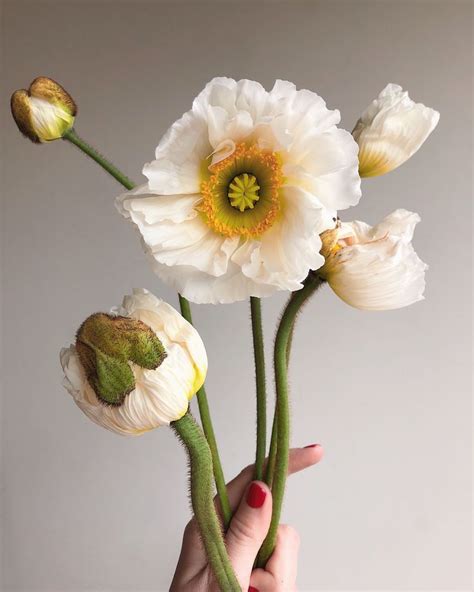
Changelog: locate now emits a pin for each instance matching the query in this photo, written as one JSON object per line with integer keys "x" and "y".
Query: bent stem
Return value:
{"x": 273, "y": 440}
{"x": 72, "y": 136}
{"x": 259, "y": 357}
{"x": 208, "y": 428}
{"x": 282, "y": 438}
{"x": 201, "y": 486}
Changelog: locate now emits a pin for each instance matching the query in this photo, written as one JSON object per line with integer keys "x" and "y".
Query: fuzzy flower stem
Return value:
{"x": 200, "y": 460}
{"x": 282, "y": 438}
{"x": 273, "y": 440}
{"x": 259, "y": 356}
{"x": 72, "y": 137}
{"x": 207, "y": 426}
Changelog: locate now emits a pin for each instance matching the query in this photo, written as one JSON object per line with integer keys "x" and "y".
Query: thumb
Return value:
{"x": 248, "y": 529}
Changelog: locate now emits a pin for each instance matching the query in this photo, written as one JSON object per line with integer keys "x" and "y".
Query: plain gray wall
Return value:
{"x": 386, "y": 393}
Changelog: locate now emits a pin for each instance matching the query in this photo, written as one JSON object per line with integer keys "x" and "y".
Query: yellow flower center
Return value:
{"x": 241, "y": 193}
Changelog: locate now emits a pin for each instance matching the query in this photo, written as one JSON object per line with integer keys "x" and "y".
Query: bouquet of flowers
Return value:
{"x": 244, "y": 198}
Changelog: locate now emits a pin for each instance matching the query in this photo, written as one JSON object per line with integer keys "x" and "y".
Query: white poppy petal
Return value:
{"x": 376, "y": 268}
{"x": 391, "y": 130}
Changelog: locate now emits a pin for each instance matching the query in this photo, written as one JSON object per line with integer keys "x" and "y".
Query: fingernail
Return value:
{"x": 312, "y": 445}
{"x": 252, "y": 589}
{"x": 256, "y": 496}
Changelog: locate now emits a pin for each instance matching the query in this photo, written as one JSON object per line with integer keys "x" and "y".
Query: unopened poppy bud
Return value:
{"x": 136, "y": 368}
{"x": 44, "y": 112}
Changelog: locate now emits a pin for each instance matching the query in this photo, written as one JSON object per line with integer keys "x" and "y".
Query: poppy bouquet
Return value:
{"x": 245, "y": 197}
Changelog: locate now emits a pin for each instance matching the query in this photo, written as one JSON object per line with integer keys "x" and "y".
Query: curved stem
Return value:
{"x": 294, "y": 305}
{"x": 201, "y": 486}
{"x": 207, "y": 426}
{"x": 73, "y": 137}
{"x": 259, "y": 357}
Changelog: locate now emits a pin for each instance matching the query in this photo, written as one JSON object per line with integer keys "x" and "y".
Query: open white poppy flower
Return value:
{"x": 376, "y": 268}
{"x": 391, "y": 129}
{"x": 241, "y": 188}
{"x": 136, "y": 368}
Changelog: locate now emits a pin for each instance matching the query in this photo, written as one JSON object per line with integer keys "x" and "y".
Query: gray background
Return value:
{"x": 386, "y": 393}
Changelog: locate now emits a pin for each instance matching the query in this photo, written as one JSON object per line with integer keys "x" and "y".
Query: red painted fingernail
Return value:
{"x": 252, "y": 589}
{"x": 312, "y": 445}
{"x": 256, "y": 495}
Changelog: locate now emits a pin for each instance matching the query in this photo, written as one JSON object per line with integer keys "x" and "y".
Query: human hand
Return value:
{"x": 252, "y": 503}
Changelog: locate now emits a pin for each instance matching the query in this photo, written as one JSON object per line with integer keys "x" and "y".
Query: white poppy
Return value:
{"x": 241, "y": 188}
{"x": 376, "y": 268}
{"x": 159, "y": 396}
{"x": 391, "y": 129}
{"x": 45, "y": 111}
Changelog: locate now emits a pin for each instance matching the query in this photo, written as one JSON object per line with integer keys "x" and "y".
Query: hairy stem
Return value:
{"x": 259, "y": 356}
{"x": 207, "y": 426}
{"x": 200, "y": 460}
{"x": 72, "y": 137}
{"x": 282, "y": 438}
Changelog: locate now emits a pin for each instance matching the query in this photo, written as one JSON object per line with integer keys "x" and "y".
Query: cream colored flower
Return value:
{"x": 241, "y": 188}
{"x": 391, "y": 130}
{"x": 156, "y": 397}
{"x": 44, "y": 112}
{"x": 375, "y": 268}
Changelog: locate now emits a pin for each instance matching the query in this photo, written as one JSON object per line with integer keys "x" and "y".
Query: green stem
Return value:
{"x": 273, "y": 441}
{"x": 207, "y": 426}
{"x": 259, "y": 356}
{"x": 294, "y": 305}
{"x": 72, "y": 137}
{"x": 201, "y": 486}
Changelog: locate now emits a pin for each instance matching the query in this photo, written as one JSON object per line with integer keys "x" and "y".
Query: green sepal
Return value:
{"x": 107, "y": 344}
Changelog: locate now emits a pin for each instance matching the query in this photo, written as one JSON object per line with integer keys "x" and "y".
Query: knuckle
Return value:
{"x": 289, "y": 534}
{"x": 242, "y": 530}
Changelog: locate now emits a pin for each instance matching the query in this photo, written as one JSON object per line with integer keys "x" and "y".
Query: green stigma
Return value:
{"x": 243, "y": 192}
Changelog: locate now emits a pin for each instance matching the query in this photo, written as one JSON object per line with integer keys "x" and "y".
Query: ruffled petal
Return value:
{"x": 377, "y": 268}
{"x": 179, "y": 156}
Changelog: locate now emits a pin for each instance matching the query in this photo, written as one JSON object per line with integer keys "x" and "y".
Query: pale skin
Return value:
{"x": 244, "y": 537}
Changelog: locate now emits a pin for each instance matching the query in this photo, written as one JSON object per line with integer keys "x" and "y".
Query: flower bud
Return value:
{"x": 375, "y": 268}
{"x": 136, "y": 368}
{"x": 44, "y": 112}
{"x": 391, "y": 130}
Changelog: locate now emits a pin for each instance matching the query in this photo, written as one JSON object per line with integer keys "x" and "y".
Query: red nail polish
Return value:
{"x": 256, "y": 496}
{"x": 312, "y": 445}
{"x": 252, "y": 589}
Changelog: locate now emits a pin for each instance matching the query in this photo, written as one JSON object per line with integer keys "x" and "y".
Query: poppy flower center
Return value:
{"x": 241, "y": 194}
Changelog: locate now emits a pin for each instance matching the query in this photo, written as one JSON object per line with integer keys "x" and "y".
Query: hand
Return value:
{"x": 252, "y": 503}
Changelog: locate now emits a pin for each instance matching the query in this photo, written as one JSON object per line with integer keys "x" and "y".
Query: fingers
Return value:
{"x": 300, "y": 459}
{"x": 283, "y": 563}
{"x": 248, "y": 529}
{"x": 279, "y": 574}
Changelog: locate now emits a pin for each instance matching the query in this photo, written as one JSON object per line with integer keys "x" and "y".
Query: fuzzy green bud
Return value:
{"x": 106, "y": 345}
